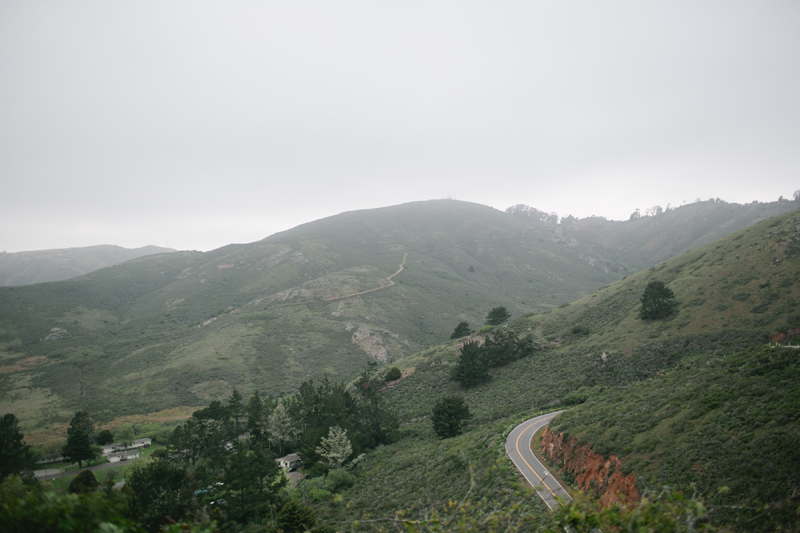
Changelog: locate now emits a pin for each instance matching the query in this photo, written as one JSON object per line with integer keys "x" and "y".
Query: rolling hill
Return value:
{"x": 183, "y": 328}
{"x": 24, "y": 268}
{"x": 697, "y": 397}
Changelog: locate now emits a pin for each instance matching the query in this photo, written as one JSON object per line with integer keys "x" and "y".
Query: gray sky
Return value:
{"x": 195, "y": 124}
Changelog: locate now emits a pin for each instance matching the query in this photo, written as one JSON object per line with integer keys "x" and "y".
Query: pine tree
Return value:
{"x": 296, "y": 518}
{"x": 657, "y": 301}
{"x": 255, "y": 417}
{"x": 471, "y": 367}
{"x": 15, "y": 456}
{"x": 462, "y": 330}
{"x": 79, "y": 439}
{"x": 280, "y": 427}
{"x": 336, "y": 447}
{"x": 236, "y": 409}
{"x": 450, "y": 416}
{"x": 497, "y": 316}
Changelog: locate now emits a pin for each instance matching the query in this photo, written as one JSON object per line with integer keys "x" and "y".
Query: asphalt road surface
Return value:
{"x": 518, "y": 447}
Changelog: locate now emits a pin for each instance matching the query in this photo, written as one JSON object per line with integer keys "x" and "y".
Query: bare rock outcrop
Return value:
{"x": 591, "y": 471}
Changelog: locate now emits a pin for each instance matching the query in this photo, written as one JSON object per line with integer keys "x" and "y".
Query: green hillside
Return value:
{"x": 184, "y": 328}
{"x": 640, "y": 243}
{"x": 24, "y": 268}
{"x": 684, "y": 399}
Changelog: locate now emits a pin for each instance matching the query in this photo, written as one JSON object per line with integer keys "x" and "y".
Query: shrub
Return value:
{"x": 339, "y": 479}
{"x": 104, "y": 437}
{"x": 393, "y": 374}
{"x": 450, "y": 416}
{"x": 84, "y": 483}
{"x": 580, "y": 330}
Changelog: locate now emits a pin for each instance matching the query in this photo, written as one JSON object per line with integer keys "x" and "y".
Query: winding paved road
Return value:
{"x": 518, "y": 447}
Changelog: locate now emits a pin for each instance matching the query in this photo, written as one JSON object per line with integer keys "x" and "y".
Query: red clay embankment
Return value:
{"x": 592, "y": 472}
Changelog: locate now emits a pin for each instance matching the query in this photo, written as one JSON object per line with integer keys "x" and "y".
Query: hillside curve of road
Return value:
{"x": 518, "y": 448}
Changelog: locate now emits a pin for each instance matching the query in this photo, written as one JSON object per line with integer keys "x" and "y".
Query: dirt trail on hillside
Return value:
{"x": 389, "y": 279}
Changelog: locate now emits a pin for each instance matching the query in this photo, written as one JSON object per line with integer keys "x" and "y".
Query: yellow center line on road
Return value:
{"x": 526, "y": 462}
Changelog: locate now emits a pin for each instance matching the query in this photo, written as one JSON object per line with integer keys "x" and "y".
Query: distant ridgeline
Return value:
{"x": 24, "y": 268}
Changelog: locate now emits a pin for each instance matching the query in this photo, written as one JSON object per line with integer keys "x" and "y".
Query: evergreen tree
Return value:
{"x": 379, "y": 424}
{"x": 504, "y": 347}
{"x": 280, "y": 427}
{"x": 462, "y": 330}
{"x": 658, "y": 301}
{"x": 236, "y": 409}
{"x": 255, "y": 417}
{"x": 253, "y": 477}
{"x": 497, "y": 316}
{"x": 161, "y": 492}
{"x": 335, "y": 447}
{"x": 79, "y": 439}
{"x": 15, "y": 456}
{"x": 471, "y": 367}
{"x": 450, "y": 416}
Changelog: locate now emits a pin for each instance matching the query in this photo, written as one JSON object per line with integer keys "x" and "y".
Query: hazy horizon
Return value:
{"x": 193, "y": 124}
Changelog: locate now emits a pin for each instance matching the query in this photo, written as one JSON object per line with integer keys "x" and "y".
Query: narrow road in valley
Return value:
{"x": 518, "y": 447}
{"x": 389, "y": 279}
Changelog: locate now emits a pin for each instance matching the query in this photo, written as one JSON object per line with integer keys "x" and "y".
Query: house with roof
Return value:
{"x": 290, "y": 462}
{"x": 115, "y": 447}
{"x": 124, "y": 455}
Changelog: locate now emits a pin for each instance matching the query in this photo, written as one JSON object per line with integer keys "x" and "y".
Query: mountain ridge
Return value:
{"x": 178, "y": 329}
{"x": 40, "y": 266}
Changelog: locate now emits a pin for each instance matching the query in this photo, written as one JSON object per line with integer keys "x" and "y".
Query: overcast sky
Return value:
{"x": 196, "y": 124}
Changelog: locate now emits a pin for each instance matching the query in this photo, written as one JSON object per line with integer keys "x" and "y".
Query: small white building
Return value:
{"x": 124, "y": 455}
{"x": 115, "y": 447}
{"x": 290, "y": 462}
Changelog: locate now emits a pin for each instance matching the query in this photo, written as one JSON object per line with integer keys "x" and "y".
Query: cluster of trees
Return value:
{"x": 495, "y": 317}
{"x": 220, "y": 464}
{"x": 360, "y": 411}
{"x": 650, "y": 212}
{"x": 498, "y": 349}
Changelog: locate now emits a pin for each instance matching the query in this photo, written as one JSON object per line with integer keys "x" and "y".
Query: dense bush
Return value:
{"x": 450, "y": 416}
{"x": 393, "y": 374}
{"x": 83, "y": 483}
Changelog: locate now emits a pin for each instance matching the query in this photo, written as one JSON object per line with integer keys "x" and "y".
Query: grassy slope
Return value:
{"x": 23, "y": 268}
{"x": 679, "y": 377}
{"x": 634, "y": 245}
{"x": 183, "y": 328}
{"x": 179, "y": 329}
